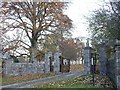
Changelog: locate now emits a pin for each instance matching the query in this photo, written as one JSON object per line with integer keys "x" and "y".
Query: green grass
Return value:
{"x": 80, "y": 85}
{"x": 77, "y": 82}
{"x": 101, "y": 82}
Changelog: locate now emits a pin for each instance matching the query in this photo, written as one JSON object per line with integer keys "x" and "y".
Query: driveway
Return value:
{"x": 33, "y": 83}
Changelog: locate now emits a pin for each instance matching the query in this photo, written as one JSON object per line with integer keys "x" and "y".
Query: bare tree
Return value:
{"x": 35, "y": 19}
{"x": 71, "y": 48}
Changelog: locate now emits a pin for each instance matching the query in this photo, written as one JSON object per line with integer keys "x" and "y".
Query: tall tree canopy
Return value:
{"x": 104, "y": 24}
{"x": 35, "y": 19}
{"x": 72, "y": 48}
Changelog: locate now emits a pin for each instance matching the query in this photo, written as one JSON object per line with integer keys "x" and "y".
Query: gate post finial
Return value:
{"x": 87, "y": 43}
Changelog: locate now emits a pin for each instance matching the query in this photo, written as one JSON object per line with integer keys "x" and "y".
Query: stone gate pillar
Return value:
{"x": 57, "y": 56}
{"x": 117, "y": 74}
{"x": 87, "y": 59}
{"x": 103, "y": 59}
{"x": 47, "y": 61}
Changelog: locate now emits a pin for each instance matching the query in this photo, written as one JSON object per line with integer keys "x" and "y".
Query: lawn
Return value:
{"x": 16, "y": 79}
{"x": 79, "y": 85}
{"x": 80, "y": 82}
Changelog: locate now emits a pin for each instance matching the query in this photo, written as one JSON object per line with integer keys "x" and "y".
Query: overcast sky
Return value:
{"x": 77, "y": 10}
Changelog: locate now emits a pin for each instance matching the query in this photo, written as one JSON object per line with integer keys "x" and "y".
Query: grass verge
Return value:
{"x": 17, "y": 79}
{"x": 80, "y": 82}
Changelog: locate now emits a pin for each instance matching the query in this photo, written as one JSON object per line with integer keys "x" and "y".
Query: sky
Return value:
{"x": 77, "y": 11}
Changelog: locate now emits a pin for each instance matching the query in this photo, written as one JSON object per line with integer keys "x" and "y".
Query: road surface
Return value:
{"x": 33, "y": 83}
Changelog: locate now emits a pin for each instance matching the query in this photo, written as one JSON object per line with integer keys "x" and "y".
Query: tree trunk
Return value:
{"x": 33, "y": 54}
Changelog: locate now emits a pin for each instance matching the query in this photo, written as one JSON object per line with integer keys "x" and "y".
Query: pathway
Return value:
{"x": 33, "y": 83}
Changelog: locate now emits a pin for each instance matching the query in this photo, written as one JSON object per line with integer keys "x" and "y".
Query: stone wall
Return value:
{"x": 14, "y": 69}
{"x": 118, "y": 67}
{"x": 11, "y": 68}
{"x": 111, "y": 66}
